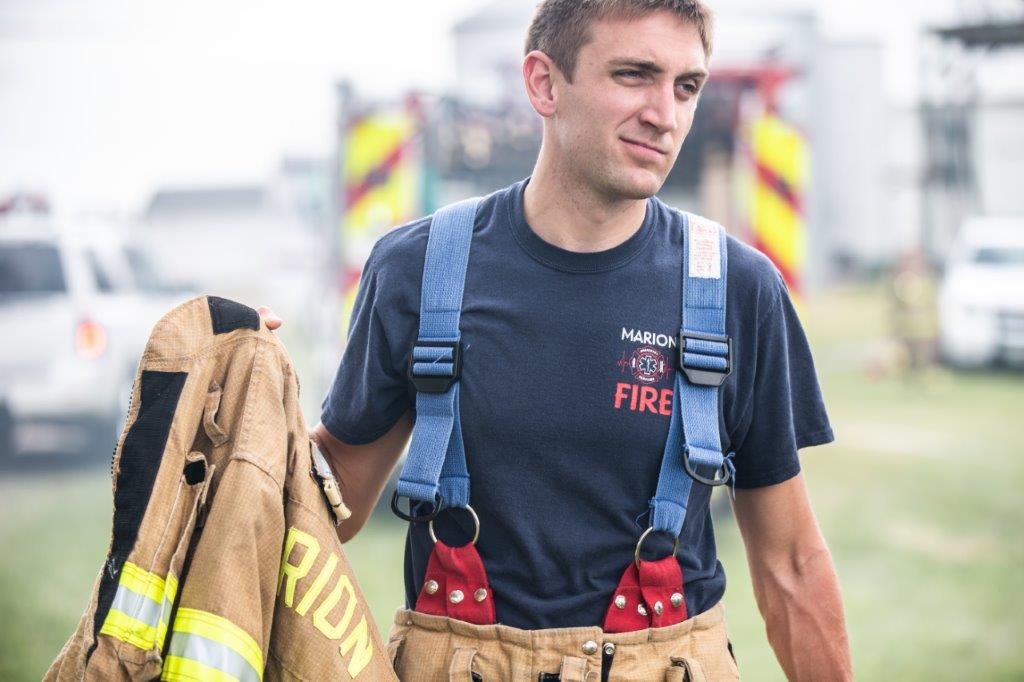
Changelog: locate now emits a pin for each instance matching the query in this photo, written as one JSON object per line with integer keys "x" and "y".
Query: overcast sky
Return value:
{"x": 102, "y": 100}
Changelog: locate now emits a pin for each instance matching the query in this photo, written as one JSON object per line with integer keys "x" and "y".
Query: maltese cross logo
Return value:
{"x": 648, "y": 364}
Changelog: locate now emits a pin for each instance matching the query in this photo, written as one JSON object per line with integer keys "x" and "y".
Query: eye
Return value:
{"x": 630, "y": 73}
{"x": 690, "y": 88}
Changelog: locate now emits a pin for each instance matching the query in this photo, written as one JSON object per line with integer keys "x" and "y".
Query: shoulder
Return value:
{"x": 403, "y": 249}
{"x": 400, "y": 248}
{"x": 754, "y": 284}
{"x": 753, "y": 278}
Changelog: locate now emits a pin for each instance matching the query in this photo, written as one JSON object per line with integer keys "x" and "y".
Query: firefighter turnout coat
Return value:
{"x": 224, "y": 563}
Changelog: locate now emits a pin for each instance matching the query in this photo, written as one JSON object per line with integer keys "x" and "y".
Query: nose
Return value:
{"x": 659, "y": 111}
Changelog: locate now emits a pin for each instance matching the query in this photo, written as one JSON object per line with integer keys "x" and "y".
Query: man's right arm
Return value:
{"x": 362, "y": 470}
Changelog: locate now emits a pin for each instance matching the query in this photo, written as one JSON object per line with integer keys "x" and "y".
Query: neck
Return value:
{"x": 571, "y": 215}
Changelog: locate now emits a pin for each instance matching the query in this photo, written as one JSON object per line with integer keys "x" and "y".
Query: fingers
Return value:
{"x": 268, "y": 315}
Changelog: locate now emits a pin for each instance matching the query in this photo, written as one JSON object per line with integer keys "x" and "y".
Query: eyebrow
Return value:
{"x": 651, "y": 67}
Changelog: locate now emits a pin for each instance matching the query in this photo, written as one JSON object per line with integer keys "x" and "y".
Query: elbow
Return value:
{"x": 793, "y": 575}
{"x": 351, "y": 526}
{"x": 348, "y": 530}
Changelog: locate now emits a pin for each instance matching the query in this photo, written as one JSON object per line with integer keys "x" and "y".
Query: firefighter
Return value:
{"x": 570, "y": 404}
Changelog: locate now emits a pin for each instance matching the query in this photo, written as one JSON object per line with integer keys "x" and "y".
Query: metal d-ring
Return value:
{"x": 438, "y": 503}
{"x": 476, "y": 521}
{"x": 721, "y": 474}
{"x": 640, "y": 542}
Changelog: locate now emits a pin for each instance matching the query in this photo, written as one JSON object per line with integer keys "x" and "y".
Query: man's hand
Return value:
{"x": 272, "y": 320}
{"x": 794, "y": 580}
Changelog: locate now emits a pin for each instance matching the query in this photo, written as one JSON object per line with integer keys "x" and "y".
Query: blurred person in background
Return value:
{"x": 913, "y": 307}
{"x": 570, "y": 270}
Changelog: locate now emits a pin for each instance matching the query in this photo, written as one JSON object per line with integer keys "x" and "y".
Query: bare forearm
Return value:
{"x": 359, "y": 493}
{"x": 803, "y": 613}
{"x": 794, "y": 581}
{"x": 350, "y": 494}
{"x": 362, "y": 470}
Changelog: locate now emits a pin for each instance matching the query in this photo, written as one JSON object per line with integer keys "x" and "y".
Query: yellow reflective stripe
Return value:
{"x": 371, "y": 140}
{"x": 125, "y": 628}
{"x": 171, "y": 590}
{"x": 779, "y": 228}
{"x": 781, "y": 147}
{"x": 178, "y": 669}
{"x": 143, "y": 582}
{"x": 141, "y": 607}
{"x": 221, "y": 630}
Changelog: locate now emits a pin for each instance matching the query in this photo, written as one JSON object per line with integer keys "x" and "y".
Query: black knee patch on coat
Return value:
{"x": 229, "y": 315}
{"x": 140, "y": 461}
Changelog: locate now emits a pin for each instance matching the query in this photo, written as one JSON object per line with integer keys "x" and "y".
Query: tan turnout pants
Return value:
{"x": 436, "y": 649}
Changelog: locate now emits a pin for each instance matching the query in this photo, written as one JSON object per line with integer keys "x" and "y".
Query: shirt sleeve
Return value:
{"x": 369, "y": 392}
{"x": 786, "y": 411}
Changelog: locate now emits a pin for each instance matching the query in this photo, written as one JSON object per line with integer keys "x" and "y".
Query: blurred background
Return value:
{"x": 874, "y": 150}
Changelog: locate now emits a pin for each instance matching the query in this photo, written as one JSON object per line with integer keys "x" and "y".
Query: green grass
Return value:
{"x": 53, "y": 535}
{"x": 919, "y": 498}
{"x": 377, "y": 555}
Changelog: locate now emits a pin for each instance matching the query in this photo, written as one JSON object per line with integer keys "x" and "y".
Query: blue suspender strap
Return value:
{"x": 436, "y": 461}
{"x": 694, "y": 444}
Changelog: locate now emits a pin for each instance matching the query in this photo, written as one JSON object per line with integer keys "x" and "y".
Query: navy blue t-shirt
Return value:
{"x": 565, "y": 400}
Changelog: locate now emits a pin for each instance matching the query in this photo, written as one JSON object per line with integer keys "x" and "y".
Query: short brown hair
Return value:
{"x": 560, "y": 28}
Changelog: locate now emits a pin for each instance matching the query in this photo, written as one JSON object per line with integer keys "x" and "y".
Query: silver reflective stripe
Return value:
{"x": 213, "y": 655}
{"x": 140, "y": 607}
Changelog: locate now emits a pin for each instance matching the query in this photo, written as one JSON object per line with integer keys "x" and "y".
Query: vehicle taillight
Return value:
{"x": 90, "y": 339}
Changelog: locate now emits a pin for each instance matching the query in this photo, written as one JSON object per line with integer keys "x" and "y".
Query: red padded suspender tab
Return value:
{"x": 455, "y": 585}
{"x": 650, "y": 596}
{"x": 661, "y": 583}
{"x": 627, "y": 612}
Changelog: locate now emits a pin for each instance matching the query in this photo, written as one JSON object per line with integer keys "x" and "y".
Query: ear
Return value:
{"x": 540, "y": 75}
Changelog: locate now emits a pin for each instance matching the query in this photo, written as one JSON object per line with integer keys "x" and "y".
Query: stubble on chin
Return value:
{"x": 622, "y": 186}
{"x": 613, "y": 180}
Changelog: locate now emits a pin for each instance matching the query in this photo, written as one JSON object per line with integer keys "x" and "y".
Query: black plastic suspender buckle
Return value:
{"x": 436, "y": 383}
{"x": 702, "y": 376}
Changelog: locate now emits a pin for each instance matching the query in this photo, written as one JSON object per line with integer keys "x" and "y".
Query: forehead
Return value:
{"x": 661, "y": 37}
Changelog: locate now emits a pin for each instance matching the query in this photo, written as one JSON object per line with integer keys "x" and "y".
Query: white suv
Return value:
{"x": 981, "y": 304}
{"x": 76, "y": 310}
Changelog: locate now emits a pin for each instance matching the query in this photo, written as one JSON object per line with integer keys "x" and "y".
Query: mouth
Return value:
{"x": 644, "y": 149}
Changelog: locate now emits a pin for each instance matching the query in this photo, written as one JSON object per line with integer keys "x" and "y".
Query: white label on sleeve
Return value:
{"x": 705, "y": 249}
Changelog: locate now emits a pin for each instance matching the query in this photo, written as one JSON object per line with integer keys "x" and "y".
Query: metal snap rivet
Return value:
{"x": 456, "y": 596}
{"x": 658, "y": 608}
{"x": 620, "y": 602}
{"x": 480, "y": 594}
{"x": 676, "y": 599}
{"x": 590, "y": 647}
{"x": 641, "y": 609}
{"x": 431, "y": 587}
{"x": 609, "y": 648}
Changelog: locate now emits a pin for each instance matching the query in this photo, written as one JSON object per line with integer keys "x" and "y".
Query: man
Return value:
{"x": 569, "y": 316}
